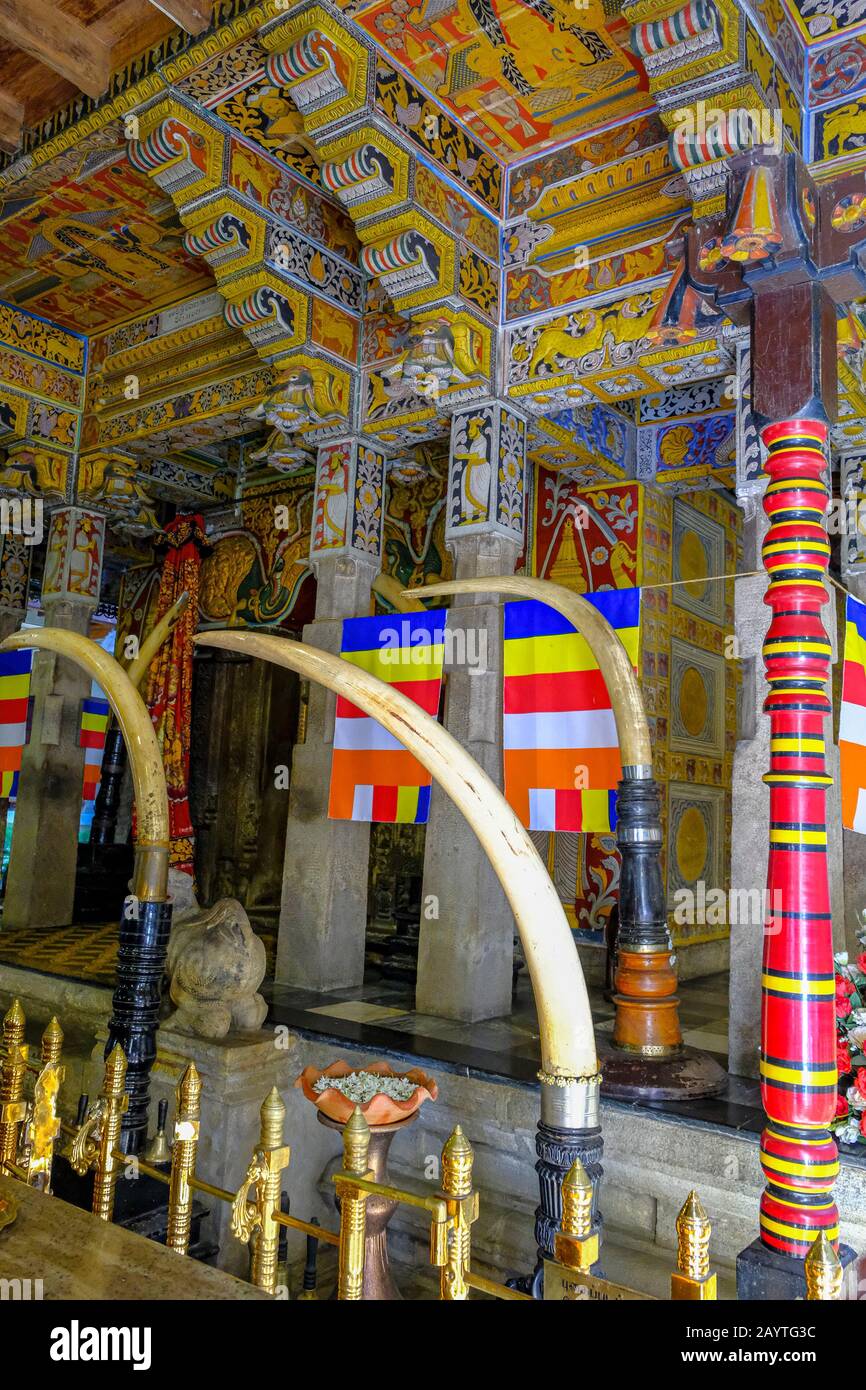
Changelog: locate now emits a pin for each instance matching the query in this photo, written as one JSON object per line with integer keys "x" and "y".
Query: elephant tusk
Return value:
{"x": 401, "y": 600}
{"x": 140, "y": 665}
{"x": 148, "y": 776}
{"x": 613, "y": 660}
{"x": 567, "y": 1042}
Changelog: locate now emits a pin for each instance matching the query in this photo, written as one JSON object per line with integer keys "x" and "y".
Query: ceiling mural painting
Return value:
{"x": 518, "y": 75}
{"x": 95, "y": 250}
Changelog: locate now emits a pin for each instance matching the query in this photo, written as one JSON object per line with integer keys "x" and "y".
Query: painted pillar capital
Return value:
{"x": 73, "y": 562}
{"x": 35, "y": 472}
{"x": 15, "y": 555}
{"x": 487, "y": 473}
{"x": 109, "y": 478}
{"x": 348, "y": 508}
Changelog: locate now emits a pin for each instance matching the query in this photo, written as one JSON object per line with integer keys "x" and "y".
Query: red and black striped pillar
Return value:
{"x": 798, "y": 1036}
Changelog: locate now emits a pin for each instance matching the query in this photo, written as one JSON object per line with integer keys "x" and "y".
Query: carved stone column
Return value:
{"x": 466, "y": 949}
{"x": 323, "y": 916}
{"x": 48, "y": 807}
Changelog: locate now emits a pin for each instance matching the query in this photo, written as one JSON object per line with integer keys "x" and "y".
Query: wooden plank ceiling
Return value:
{"x": 51, "y": 49}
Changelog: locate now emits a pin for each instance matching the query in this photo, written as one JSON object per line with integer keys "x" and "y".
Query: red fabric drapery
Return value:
{"x": 169, "y": 687}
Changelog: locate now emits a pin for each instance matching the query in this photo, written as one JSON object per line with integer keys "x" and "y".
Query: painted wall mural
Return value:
{"x": 617, "y": 536}
{"x": 258, "y": 574}
{"x": 414, "y": 550}
{"x": 451, "y": 208}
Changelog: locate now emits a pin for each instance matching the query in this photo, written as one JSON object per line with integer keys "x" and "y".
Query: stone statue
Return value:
{"x": 215, "y": 964}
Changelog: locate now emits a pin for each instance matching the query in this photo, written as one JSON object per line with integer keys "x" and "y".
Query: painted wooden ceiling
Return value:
{"x": 519, "y": 76}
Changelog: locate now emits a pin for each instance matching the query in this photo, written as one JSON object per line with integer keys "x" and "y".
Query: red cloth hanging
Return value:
{"x": 169, "y": 687}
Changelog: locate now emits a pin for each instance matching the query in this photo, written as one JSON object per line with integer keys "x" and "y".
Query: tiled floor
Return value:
{"x": 75, "y": 952}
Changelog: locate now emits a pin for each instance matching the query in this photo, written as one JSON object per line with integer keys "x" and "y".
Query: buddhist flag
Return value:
{"x": 94, "y": 726}
{"x": 560, "y": 747}
{"x": 373, "y": 777}
{"x": 14, "y": 704}
{"x": 852, "y": 720}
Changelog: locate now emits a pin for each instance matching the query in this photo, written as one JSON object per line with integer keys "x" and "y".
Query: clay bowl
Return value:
{"x": 381, "y": 1109}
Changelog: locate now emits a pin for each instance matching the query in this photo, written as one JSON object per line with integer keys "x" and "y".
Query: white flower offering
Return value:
{"x": 361, "y": 1086}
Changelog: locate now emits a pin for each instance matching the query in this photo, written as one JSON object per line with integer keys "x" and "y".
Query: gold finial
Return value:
{"x": 183, "y": 1159}
{"x": 258, "y": 1212}
{"x": 112, "y": 1103}
{"x": 693, "y": 1238}
{"x": 692, "y": 1278}
{"x": 577, "y": 1201}
{"x": 823, "y": 1270}
{"x": 462, "y": 1203}
{"x": 356, "y": 1142}
{"x": 115, "y": 1071}
{"x": 52, "y": 1042}
{"x": 13, "y": 1068}
{"x": 273, "y": 1115}
{"x": 457, "y": 1160}
{"x": 14, "y": 1021}
{"x": 189, "y": 1088}
{"x": 353, "y": 1207}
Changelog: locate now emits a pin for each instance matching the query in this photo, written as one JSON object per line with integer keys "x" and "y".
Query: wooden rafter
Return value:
{"x": 60, "y": 42}
{"x": 11, "y": 122}
{"x": 193, "y": 16}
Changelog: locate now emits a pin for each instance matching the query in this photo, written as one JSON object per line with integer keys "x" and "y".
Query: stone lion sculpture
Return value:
{"x": 215, "y": 964}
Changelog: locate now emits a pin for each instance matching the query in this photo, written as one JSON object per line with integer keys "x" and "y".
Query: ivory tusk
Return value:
{"x": 400, "y": 599}
{"x": 567, "y": 1042}
{"x": 138, "y": 668}
{"x": 613, "y": 660}
{"x": 148, "y": 776}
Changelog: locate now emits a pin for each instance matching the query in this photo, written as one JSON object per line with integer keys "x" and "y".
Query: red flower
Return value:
{"x": 861, "y": 963}
{"x": 844, "y": 987}
{"x": 860, "y": 1080}
{"x": 842, "y": 1107}
{"x": 843, "y": 1059}
{"x": 843, "y": 1007}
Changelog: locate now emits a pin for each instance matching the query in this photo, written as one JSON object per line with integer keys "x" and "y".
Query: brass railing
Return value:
{"x": 30, "y": 1128}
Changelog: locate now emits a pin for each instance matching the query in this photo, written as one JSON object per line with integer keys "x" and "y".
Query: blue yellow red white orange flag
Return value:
{"x": 373, "y": 777}
{"x": 14, "y": 704}
{"x": 15, "y": 675}
{"x": 94, "y": 726}
{"x": 852, "y": 719}
{"x": 560, "y": 750}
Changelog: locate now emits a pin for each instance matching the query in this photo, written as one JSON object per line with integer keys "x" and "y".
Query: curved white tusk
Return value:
{"x": 145, "y": 760}
{"x": 565, "y": 1022}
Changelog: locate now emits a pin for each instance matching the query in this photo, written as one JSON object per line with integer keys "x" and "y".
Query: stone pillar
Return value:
{"x": 48, "y": 808}
{"x": 323, "y": 914}
{"x": 467, "y": 931}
